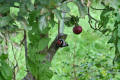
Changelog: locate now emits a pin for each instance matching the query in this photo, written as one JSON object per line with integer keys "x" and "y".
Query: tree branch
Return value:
{"x": 89, "y": 15}
{"x": 53, "y": 49}
{"x": 90, "y": 21}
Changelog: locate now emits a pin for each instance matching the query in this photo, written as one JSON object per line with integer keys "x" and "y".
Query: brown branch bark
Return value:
{"x": 53, "y": 49}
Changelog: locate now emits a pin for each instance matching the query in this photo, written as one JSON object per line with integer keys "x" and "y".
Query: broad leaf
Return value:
{"x": 6, "y": 71}
{"x": 52, "y": 22}
{"x": 5, "y": 21}
{"x": 111, "y": 40}
{"x": 4, "y": 8}
{"x": 65, "y": 8}
{"x": 42, "y": 22}
{"x": 43, "y": 43}
{"x": 81, "y": 7}
{"x": 57, "y": 14}
{"x": 3, "y": 56}
{"x": 1, "y": 77}
{"x": 32, "y": 16}
{"x": 114, "y": 4}
{"x": 104, "y": 17}
{"x": 29, "y": 5}
{"x": 23, "y": 11}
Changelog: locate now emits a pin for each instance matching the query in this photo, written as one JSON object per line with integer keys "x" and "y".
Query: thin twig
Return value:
{"x": 58, "y": 27}
{"x": 91, "y": 16}
{"x": 96, "y": 21}
{"x": 74, "y": 70}
{"x": 25, "y": 44}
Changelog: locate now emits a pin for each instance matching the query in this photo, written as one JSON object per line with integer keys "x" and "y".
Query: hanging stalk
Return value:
{"x": 74, "y": 68}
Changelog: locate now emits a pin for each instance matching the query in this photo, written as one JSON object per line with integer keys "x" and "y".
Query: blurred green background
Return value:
{"x": 88, "y": 52}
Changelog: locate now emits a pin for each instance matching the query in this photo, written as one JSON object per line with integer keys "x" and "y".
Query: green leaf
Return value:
{"x": 46, "y": 30}
{"x": 44, "y": 3}
{"x": 43, "y": 43}
{"x": 117, "y": 18}
{"x": 23, "y": 23}
{"x": 70, "y": 21}
{"x": 23, "y": 11}
{"x": 42, "y": 22}
{"x": 32, "y": 16}
{"x": 81, "y": 7}
{"x": 104, "y": 17}
{"x": 14, "y": 11}
{"x": 65, "y": 8}
{"x": 6, "y": 71}
{"x": 5, "y": 21}
{"x": 1, "y": 1}
{"x": 119, "y": 30}
{"x": 114, "y": 4}
{"x": 4, "y": 8}
{"x": 1, "y": 77}
{"x": 57, "y": 14}
{"x": 53, "y": 3}
{"x": 105, "y": 30}
{"x": 3, "y": 56}
{"x": 29, "y": 5}
{"x": 52, "y": 22}
{"x": 113, "y": 37}
{"x": 111, "y": 40}
{"x": 67, "y": 21}
{"x": 118, "y": 45}
{"x": 45, "y": 72}
{"x": 10, "y": 28}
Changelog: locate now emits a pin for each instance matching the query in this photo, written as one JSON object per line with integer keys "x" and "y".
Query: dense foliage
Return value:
{"x": 28, "y": 27}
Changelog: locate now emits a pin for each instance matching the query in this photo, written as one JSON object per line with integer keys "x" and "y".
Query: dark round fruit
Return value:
{"x": 77, "y": 29}
{"x": 58, "y": 42}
